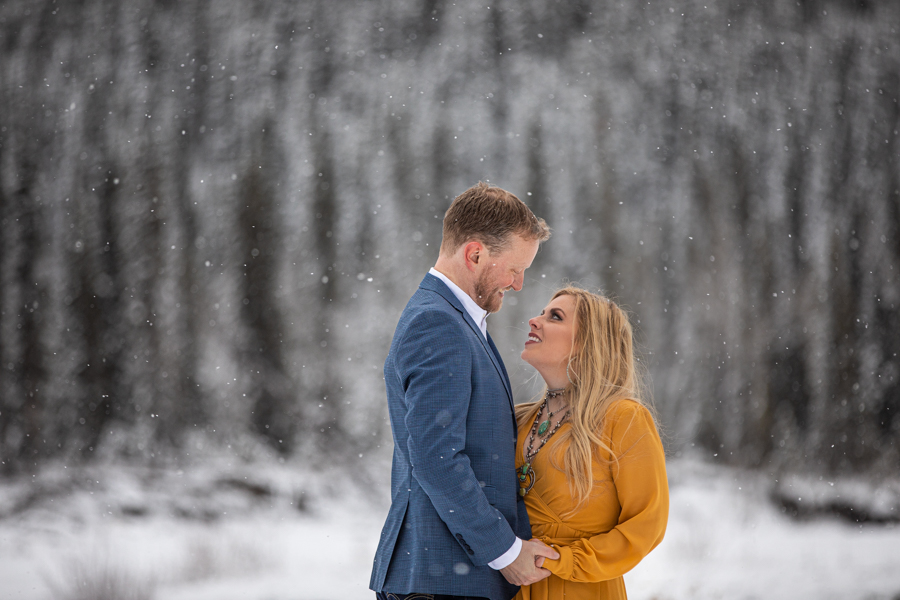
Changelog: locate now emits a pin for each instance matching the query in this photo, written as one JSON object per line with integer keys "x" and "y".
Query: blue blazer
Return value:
{"x": 454, "y": 494}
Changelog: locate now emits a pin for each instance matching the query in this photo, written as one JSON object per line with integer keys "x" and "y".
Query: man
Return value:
{"x": 457, "y": 526}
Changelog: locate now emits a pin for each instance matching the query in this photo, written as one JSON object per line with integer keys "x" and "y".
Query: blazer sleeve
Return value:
{"x": 434, "y": 363}
{"x": 642, "y": 489}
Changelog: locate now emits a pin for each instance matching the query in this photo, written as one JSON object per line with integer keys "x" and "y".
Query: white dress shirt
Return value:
{"x": 479, "y": 315}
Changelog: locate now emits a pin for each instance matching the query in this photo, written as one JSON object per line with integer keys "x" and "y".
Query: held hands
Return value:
{"x": 526, "y": 569}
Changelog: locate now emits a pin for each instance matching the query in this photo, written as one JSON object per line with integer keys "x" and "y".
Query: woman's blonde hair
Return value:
{"x": 602, "y": 370}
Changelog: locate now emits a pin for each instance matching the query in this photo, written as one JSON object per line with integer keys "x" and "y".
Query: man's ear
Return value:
{"x": 474, "y": 254}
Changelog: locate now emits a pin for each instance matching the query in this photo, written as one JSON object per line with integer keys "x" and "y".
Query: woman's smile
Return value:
{"x": 549, "y": 343}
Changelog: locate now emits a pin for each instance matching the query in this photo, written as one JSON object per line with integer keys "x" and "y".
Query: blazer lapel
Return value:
{"x": 436, "y": 285}
{"x": 502, "y": 366}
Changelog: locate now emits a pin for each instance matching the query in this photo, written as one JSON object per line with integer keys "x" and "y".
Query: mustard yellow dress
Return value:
{"x": 622, "y": 521}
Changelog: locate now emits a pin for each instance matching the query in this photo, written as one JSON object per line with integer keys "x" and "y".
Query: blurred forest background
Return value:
{"x": 212, "y": 213}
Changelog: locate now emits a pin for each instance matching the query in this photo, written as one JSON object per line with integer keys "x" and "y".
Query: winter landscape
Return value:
{"x": 212, "y": 214}
{"x": 224, "y": 532}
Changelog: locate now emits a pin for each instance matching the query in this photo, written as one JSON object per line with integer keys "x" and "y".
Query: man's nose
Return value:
{"x": 518, "y": 281}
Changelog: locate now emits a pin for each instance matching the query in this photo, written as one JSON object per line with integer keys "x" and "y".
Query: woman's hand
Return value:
{"x": 539, "y": 559}
{"x": 526, "y": 570}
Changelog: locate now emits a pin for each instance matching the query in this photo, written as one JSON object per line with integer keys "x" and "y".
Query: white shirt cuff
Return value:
{"x": 507, "y": 558}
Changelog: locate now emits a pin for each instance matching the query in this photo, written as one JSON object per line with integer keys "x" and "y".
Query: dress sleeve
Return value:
{"x": 640, "y": 484}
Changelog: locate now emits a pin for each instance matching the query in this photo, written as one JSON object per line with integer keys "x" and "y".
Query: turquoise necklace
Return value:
{"x": 545, "y": 424}
{"x": 526, "y": 472}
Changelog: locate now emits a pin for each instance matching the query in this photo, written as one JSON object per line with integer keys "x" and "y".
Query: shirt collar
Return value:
{"x": 478, "y": 314}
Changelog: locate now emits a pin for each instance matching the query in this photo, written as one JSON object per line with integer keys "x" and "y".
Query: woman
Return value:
{"x": 590, "y": 462}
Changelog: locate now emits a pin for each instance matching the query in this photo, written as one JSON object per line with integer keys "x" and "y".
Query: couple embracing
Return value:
{"x": 550, "y": 499}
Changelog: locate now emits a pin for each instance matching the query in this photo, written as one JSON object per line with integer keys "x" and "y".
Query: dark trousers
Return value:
{"x": 389, "y": 596}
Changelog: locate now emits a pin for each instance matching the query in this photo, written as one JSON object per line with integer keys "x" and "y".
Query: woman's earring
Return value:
{"x": 568, "y": 376}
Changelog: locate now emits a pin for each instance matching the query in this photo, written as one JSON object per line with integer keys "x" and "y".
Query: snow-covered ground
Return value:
{"x": 202, "y": 536}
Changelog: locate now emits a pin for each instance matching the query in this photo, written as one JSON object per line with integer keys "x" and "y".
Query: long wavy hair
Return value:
{"x": 603, "y": 369}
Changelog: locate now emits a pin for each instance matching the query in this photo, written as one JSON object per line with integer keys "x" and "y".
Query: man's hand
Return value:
{"x": 524, "y": 570}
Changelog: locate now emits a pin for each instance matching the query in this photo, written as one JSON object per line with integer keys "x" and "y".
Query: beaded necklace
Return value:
{"x": 526, "y": 472}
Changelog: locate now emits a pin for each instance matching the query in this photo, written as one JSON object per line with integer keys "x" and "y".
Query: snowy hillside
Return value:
{"x": 725, "y": 540}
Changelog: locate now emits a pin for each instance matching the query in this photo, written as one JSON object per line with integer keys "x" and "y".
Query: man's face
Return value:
{"x": 503, "y": 272}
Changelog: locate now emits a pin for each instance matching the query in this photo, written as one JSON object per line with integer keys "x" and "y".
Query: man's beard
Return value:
{"x": 487, "y": 296}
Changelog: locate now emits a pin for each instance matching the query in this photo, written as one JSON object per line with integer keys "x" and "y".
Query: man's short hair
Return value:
{"x": 490, "y": 215}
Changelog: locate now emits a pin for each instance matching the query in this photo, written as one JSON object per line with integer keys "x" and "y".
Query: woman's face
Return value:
{"x": 550, "y": 339}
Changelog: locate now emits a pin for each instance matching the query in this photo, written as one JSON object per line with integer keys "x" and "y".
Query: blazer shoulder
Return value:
{"x": 427, "y": 320}
{"x": 425, "y": 295}
{"x": 427, "y": 302}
